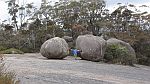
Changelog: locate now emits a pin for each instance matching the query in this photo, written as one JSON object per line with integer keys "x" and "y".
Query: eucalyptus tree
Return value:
{"x": 13, "y": 10}
{"x": 83, "y": 12}
{"x": 93, "y": 14}
{"x": 19, "y": 12}
{"x": 128, "y": 25}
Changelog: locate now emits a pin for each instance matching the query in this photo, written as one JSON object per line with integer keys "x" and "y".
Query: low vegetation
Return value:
{"x": 2, "y": 48}
{"x": 118, "y": 54}
{"x": 12, "y": 51}
{"x": 142, "y": 49}
{"x": 6, "y": 77}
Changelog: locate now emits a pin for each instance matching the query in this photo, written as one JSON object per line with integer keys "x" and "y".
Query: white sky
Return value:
{"x": 111, "y": 5}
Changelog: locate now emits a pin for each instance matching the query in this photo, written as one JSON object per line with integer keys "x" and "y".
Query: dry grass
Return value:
{"x": 6, "y": 77}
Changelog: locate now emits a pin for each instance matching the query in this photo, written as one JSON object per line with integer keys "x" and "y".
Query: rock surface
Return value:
{"x": 70, "y": 41}
{"x": 55, "y": 48}
{"x": 92, "y": 47}
{"x": 68, "y": 38}
{"x": 35, "y": 69}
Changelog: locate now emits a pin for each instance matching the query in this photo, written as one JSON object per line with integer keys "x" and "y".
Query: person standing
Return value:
{"x": 75, "y": 52}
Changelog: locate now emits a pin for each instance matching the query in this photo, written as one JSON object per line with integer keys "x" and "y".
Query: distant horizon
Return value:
{"x": 110, "y": 4}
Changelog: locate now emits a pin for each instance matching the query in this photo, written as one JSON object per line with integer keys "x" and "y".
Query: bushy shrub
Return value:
{"x": 29, "y": 50}
{"x": 143, "y": 60}
{"x": 12, "y": 51}
{"x": 118, "y": 54}
{"x": 142, "y": 49}
{"x": 2, "y": 48}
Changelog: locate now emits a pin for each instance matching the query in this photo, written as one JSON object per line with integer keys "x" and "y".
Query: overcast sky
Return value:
{"x": 111, "y": 5}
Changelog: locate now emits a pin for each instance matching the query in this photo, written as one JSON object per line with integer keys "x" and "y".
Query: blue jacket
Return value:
{"x": 74, "y": 51}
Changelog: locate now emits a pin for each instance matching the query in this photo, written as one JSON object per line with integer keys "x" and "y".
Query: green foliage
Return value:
{"x": 143, "y": 60}
{"x": 142, "y": 49}
{"x": 2, "y": 48}
{"x": 12, "y": 51}
{"x": 27, "y": 50}
{"x": 119, "y": 55}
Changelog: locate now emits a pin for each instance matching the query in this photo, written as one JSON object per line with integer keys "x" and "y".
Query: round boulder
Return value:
{"x": 92, "y": 47}
{"x": 114, "y": 41}
{"x": 68, "y": 38}
{"x": 55, "y": 48}
{"x": 70, "y": 41}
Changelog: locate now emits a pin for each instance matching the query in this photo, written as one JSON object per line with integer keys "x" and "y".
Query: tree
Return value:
{"x": 13, "y": 10}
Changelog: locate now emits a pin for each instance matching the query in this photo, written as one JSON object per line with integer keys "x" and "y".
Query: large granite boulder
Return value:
{"x": 114, "y": 41}
{"x": 55, "y": 48}
{"x": 48, "y": 36}
{"x": 92, "y": 47}
{"x": 68, "y": 38}
{"x": 70, "y": 41}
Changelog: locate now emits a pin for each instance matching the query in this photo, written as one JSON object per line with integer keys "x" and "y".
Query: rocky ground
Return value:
{"x": 35, "y": 69}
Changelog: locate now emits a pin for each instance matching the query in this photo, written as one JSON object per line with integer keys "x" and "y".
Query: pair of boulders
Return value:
{"x": 92, "y": 47}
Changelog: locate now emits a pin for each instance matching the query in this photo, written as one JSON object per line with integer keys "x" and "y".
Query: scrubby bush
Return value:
{"x": 118, "y": 54}
{"x": 2, "y": 48}
{"x": 12, "y": 51}
{"x": 142, "y": 49}
{"x": 29, "y": 50}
